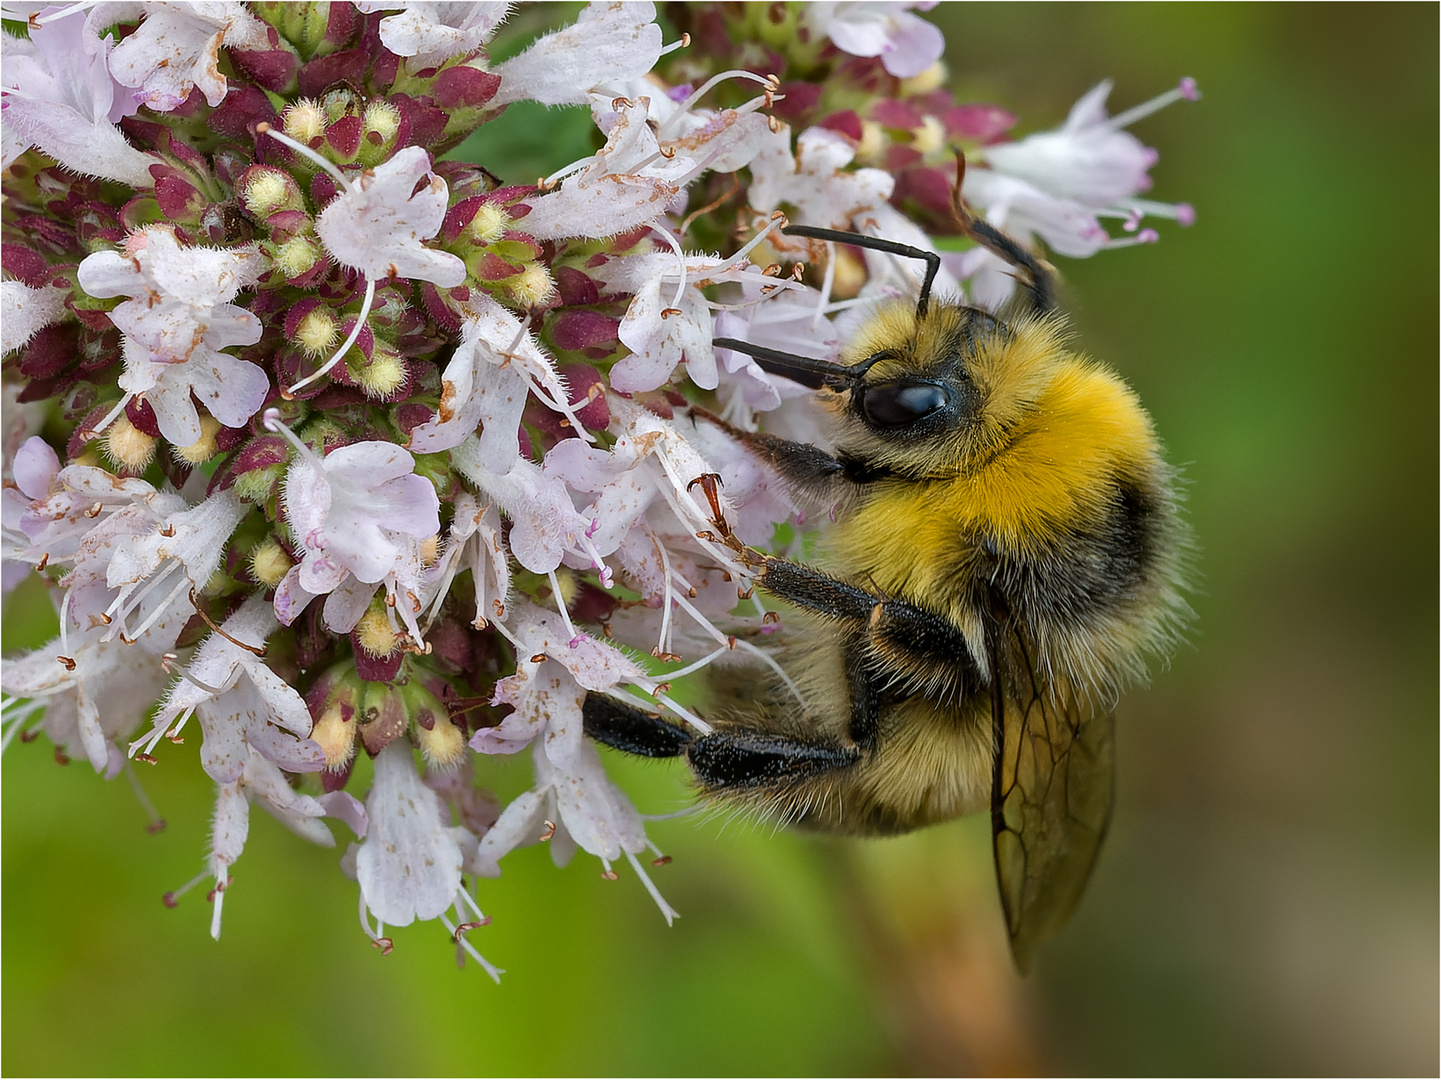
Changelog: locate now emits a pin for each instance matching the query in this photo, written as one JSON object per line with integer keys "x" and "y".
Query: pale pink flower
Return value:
{"x": 94, "y": 691}
{"x": 25, "y": 311}
{"x": 609, "y": 45}
{"x": 473, "y": 544}
{"x": 239, "y": 701}
{"x": 487, "y": 382}
{"x": 177, "y": 47}
{"x": 814, "y": 180}
{"x": 175, "y": 557}
{"x": 59, "y": 96}
{"x": 263, "y": 781}
{"x": 379, "y": 223}
{"x": 359, "y": 515}
{"x": 906, "y": 43}
{"x": 544, "y": 523}
{"x": 177, "y": 325}
{"x": 433, "y": 32}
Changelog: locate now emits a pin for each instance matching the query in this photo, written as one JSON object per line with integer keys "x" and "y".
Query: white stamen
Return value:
{"x": 1186, "y": 91}
{"x": 350, "y": 339}
{"x": 669, "y": 912}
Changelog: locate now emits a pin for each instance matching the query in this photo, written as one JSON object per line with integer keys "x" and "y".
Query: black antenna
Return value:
{"x": 875, "y": 243}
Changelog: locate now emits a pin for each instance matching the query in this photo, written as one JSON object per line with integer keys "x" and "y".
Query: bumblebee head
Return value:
{"x": 936, "y": 394}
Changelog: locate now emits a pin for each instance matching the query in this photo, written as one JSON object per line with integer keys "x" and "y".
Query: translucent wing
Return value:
{"x": 1050, "y": 805}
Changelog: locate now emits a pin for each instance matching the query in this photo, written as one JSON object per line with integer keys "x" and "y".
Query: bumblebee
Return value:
{"x": 1006, "y": 553}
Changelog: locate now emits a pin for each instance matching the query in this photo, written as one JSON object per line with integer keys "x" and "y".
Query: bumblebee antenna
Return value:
{"x": 806, "y": 370}
{"x": 875, "y": 243}
{"x": 1042, "y": 285}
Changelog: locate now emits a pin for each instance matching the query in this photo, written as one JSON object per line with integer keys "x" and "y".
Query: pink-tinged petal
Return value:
{"x": 345, "y": 807}
{"x": 36, "y": 467}
{"x": 346, "y": 604}
{"x": 368, "y": 464}
{"x": 519, "y": 823}
{"x": 409, "y": 865}
{"x": 289, "y": 753}
{"x": 24, "y": 312}
{"x": 231, "y": 390}
{"x": 610, "y": 44}
{"x": 378, "y": 225}
{"x": 291, "y": 598}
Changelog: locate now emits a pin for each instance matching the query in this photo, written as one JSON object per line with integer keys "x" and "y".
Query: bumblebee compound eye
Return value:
{"x": 897, "y": 404}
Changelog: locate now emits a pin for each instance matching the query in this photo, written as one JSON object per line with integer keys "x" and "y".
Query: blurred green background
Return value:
{"x": 1267, "y": 902}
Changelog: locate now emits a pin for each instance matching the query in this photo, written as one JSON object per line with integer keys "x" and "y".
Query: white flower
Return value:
{"x": 25, "y": 311}
{"x": 378, "y": 223}
{"x": 179, "y": 555}
{"x": 94, "y": 691}
{"x": 59, "y": 96}
{"x": 240, "y": 702}
{"x": 359, "y": 515}
{"x": 544, "y": 524}
{"x": 176, "y": 325}
{"x": 409, "y": 865}
{"x": 487, "y": 381}
{"x": 433, "y": 32}
{"x": 814, "y": 180}
{"x": 263, "y": 781}
{"x": 577, "y": 807}
{"x": 609, "y": 45}
{"x": 177, "y": 47}
{"x": 474, "y": 544}
{"x": 906, "y": 43}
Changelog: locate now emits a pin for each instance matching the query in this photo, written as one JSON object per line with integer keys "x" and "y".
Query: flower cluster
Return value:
{"x": 348, "y": 450}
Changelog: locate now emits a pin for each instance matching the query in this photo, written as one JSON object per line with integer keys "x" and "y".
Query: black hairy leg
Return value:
{"x": 726, "y": 758}
{"x": 895, "y": 628}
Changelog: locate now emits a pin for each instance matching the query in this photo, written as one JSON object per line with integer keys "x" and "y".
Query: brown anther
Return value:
{"x": 170, "y": 900}
{"x": 538, "y": 658}
{"x": 685, "y": 41}
{"x": 104, "y": 618}
{"x": 666, "y": 313}
{"x": 167, "y": 531}
{"x": 156, "y": 826}
{"x": 770, "y": 617}
{"x": 149, "y": 759}
{"x": 692, "y": 592}
{"x": 773, "y": 270}
{"x": 286, "y": 395}
{"x": 548, "y": 831}
{"x": 731, "y": 642}
{"x": 43, "y": 563}
{"x": 706, "y": 534}
{"x": 94, "y": 511}
{"x": 662, "y": 688}
{"x": 779, "y": 215}
{"x": 745, "y": 594}
{"x": 465, "y": 928}
{"x": 609, "y": 875}
{"x": 60, "y": 757}
{"x": 390, "y": 600}
{"x": 662, "y": 860}
{"x": 384, "y": 944}
{"x": 619, "y": 103}
{"x": 175, "y": 737}
{"x": 798, "y": 271}
{"x": 30, "y": 736}
{"x": 68, "y": 663}
{"x": 667, "y": 152}
{"x": 605, "y": 629}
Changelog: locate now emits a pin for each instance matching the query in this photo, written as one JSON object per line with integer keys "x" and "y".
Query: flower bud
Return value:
{"x": 532, "y": 286}
{"x": 269, "y": 562}
{"x": 304, "y": 121}
{"x": 488, "y": 225}
{"x": 298, "y": 256}
{"x": 264, "y": 190}
{"x": 383, "y": 717}
{"x": 440, "y": 741}
{"x": 332, "y": 701}
{"x": 129, "y": 448}
{"x": 318, "y": 332}
{"x": 374, "y": 633}
{"x": 383, "y": 375}
{"x": 380, "y": 125}
{"x": 203, "y": 448}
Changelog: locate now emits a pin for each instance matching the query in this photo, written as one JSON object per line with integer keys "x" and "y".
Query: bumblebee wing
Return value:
{"x": 1050, "y": 806}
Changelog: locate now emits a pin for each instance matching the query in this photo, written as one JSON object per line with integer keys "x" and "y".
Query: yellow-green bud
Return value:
{"x": 269, "y": 562}
{"x": 203, "y": 448}
{"x": 489, "y": 224}
{"x": 298, "y": 255}
{"x": 304, "y": 121}
{"x": 127, "y": 446}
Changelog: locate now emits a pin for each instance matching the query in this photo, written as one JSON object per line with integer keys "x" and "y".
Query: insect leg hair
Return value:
{"x": 627, "y": 728}
{"x": 1042, "y": 285}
